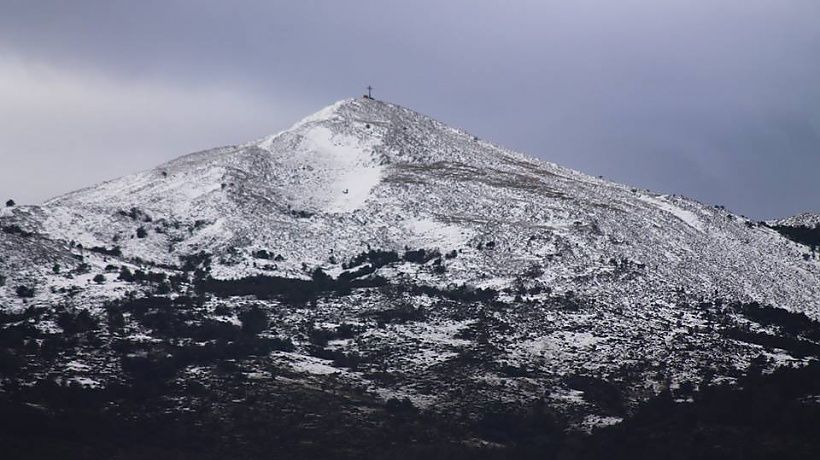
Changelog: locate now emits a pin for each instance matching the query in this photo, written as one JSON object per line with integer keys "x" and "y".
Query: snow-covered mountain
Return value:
{"x": 363, "y": 173}
{"x": 805, "y": 219}
{"x": 483, "y": 274}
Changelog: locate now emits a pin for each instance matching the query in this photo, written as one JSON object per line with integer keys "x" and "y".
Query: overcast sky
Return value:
{"x": 718, "y": 100}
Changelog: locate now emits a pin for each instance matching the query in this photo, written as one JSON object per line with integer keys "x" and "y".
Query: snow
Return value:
{"x": 782, "y": 358}
{"x": 686, "y": 216}
{"x": 142, "y": 337}
{"x": 356, "y": 185}
{"x": 77, "y": 366}
{"x": 308, "y": 364}
{"x": 560, "y": 341}
{"x": 324, "y": 114}
{"x": 363, "y": 172}
{"x": 435, "y": 234}
{"x": 593, "y": 421}
{"x": 350, "y": 167}
{"x": 568, "y": 395}
{"x": 441, "y": 334}
{"x": 418, "y": 400}
{"x": 806, "y": 219}
{"x": 86, "y": 382}
{"x": 258, "y": 375}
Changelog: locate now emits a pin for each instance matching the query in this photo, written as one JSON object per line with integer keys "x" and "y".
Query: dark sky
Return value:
{"x": 718, "y": 100}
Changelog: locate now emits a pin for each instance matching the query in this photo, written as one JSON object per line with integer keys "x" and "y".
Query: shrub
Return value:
{"x": 534, "y": 271}
{"x": 83, "y": 268}
{"x": 24, "y": 291}
{"x": 301, "y": 214}
{"x": 77, "y": 322}
{"x": 462, "y": 293}
{"x": 262, "y": 254}
{"x": 421, "y": 256}
{"x": 116, "y": 320}
{"x": 288, "y": 289}
{"x": 400, "y": 406}
{"x": 254, "y": 320}
{"x": 136, "y": 214}
{"x": 141, "y": 232}
{"x": 793, "y": 323}
{"x": 116, "y": 251}
{"x": 99, "y": 278}
{"x": 403, "y": 313}
{"x": 350, "y": 360}
{"x": 151, "y": 277}
{"x": 320, "y": 276}
{"x": 126, "y": 275}
{"x": 347, "y": 331}
{"x": 211, "y": 329}
{"x": 164, "y": 288}
{"x": 375, "y": 257}
{"x": 601, "y": 393}
{"x": 805, "y": 235}
{"x": 191, "y": 262}
{"x": 16, "y": 230}
{"x": 10, "y": 203}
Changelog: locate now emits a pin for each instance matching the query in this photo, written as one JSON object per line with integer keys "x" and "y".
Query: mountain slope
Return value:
{"x": 805, "y": 219}
{"x": 397, "y": 257}
{"x": 365, "y": 173}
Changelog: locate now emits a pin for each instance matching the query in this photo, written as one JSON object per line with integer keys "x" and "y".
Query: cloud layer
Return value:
{"x": 717, "y": 100}
{"x": 61, "y": 130}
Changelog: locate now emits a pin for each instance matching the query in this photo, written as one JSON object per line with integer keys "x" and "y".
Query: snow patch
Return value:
{"x": 77, "y": 366}
{"x": 434, "y": 233}
{"x": 310, "y": 365}
{"x": 343, "y": 168}
{"x": 687, "y": 217}
{"x": 86, "y": 382}
{"x": 356, "y": 186}
{"x": 593, "y": 421}
{"x": 560, "y": 343}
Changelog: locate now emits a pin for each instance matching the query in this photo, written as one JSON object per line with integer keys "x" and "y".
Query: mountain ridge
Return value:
{"x": 803, "y": 219}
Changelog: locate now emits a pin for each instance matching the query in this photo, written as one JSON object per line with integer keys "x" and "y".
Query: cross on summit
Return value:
{"x": 369, "y": 92}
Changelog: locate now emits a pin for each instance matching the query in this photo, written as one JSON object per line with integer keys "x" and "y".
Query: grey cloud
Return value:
{"x": 712, "y": 99}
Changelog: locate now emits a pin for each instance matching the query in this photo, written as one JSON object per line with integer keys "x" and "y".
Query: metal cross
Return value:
{"x": 369, "y": 91}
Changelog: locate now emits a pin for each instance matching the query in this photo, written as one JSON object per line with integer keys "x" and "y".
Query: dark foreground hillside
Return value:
{"x": 157, "y": 409}
{"x": 767, "y": 416}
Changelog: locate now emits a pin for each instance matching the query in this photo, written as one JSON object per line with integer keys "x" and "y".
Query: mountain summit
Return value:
{"x": 365, "y": 174}
{"x": 407, "y": 266}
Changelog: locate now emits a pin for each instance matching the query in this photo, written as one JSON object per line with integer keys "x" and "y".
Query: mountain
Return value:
{"x": 805, "y": 219}
{"x": 365, "y": 173}
{"x": 803, "y": 228}
{"x": 400, "y": 265}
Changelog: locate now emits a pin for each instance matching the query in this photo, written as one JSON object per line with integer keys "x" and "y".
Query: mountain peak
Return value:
{"x": 363, "y": 172}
